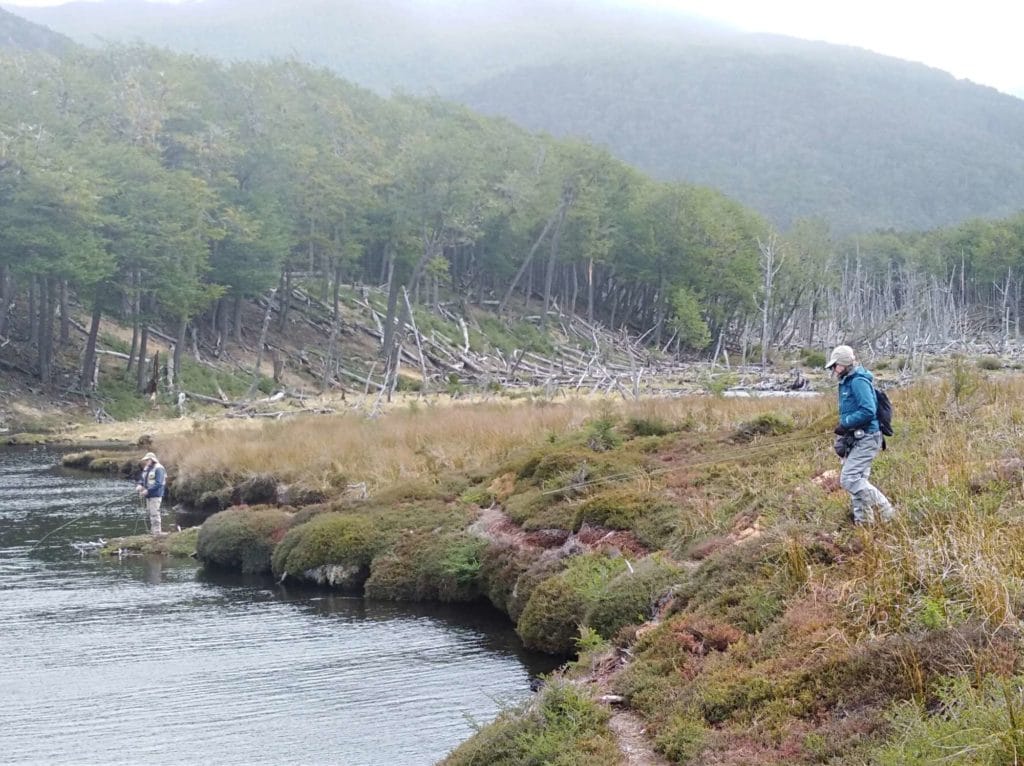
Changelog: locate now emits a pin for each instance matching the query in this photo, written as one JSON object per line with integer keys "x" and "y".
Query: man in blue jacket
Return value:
{"x": 860, "y": 435}
{"x": 151, "y": 485}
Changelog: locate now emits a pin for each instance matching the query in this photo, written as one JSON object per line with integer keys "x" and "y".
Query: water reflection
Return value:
{"x": 153, "y": 568}
{"x": 479, "y": 619}
{"x": 99, "y": 651}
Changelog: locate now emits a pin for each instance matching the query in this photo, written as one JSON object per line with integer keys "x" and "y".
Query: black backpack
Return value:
{"x": 883, "y": 410}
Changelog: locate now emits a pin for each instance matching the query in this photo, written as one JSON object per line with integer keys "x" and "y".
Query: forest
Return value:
{"x": 166, "y": 190}
{"x": 790, "y": 128}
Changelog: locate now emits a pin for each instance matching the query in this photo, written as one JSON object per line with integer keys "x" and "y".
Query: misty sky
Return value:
{"x": 976, "y": 40}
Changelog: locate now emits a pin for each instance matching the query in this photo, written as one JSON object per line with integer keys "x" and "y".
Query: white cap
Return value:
{"x": 149, "y": 456}
{"x": 841, "y": 355}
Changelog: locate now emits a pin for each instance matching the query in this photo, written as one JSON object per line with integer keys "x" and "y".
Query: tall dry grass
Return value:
{"x": 956, "y": 551}
{"x": 424, "y": 441}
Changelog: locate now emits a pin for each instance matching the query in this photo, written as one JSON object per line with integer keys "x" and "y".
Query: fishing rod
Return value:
{"x": 102, "y": 507}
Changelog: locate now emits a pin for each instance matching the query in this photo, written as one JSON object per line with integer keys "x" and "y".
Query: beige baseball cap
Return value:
{"x": 841, "y": 355}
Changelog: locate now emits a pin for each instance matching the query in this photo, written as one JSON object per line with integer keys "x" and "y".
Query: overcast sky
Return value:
{"x": 978, "y": 40}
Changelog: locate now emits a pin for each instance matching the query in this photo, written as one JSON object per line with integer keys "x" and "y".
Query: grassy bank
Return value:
{"x": 696, "y": 555}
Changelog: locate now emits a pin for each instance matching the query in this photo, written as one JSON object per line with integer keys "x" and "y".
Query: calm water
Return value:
{"x": 158, "y": 662}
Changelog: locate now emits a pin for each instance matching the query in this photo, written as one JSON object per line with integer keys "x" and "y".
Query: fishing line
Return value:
{"x": 722, "y": 456}
{"x": 102, "y": 507}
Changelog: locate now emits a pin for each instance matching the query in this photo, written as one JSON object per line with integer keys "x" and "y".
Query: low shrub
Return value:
{"x": 539, "y": 570}
{"x": 745, "y": 584}
{"x": 445, "y": 488}
{"x": 601, "y": 434}
{"x": 564, "y": 728}
{"x": 766, "y": 424}
{"x": 630, "y": 596}
{"x": 328, "y": 539}
{"x": 990, "y": 363}
{"x": 560, "y": 463}
{"x": 178, "y": 544}
{"x": 649, "y": 426}
{"x": 646, "y": 513}
{"x": 426, "y": 566}
{"x": 813, "y": 358}
{"x": 558, "y": 606}
{"x": 189, "y": 489}
{"x": 258, "y": 489}
{"x": 242, "y": 538}
{"x": 971, "y": 724}
{"x": 682, "y": 738}
{"x": 534, "y": 509}
{"x": 501, "y": 566}
{"x": 114, "y": 465}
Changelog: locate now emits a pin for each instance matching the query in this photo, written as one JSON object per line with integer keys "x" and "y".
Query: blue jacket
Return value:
{"x": 857, "y": 405}
{"x": 154, "y": 479}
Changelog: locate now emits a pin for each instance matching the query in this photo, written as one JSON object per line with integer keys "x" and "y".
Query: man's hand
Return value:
{"x": 841, "y": 447}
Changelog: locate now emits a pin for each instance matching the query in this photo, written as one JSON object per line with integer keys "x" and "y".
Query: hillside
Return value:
{"x": 789, "y": 128}
{"x": 792, "y": 130}
{"x": 408, "y": 45}
{"x": 179, "y": 198}
{"x": 18, "y": 34}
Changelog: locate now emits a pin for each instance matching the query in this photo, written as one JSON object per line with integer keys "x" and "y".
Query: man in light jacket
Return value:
{"x": 860, "y": 434}
{"x": 152, "y": 484}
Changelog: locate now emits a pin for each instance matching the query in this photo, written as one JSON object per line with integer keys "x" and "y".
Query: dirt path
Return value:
{"x": 633, "y": 742}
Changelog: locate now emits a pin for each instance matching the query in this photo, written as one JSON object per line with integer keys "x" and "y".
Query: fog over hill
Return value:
{"x": 793, "y": 129}
{"x": 17, "y": 33}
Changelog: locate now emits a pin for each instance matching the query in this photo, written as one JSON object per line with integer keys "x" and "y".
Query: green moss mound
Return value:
{"x": 631, "y": 596}
{"x": 564, "y": 728}
{"x": 178, "y": 544}
{"x": 501, "y": 567}
{"x": 428, "y": 566}
{"x": 745, "y": 584}
{"x": 534, "y": 509}
{"x": 648, "y": 514}
{"x": 328, "y": 539}
{"x": 557, "y": 608}
{"x": 190, "y": 490}
{"x": 258, "y": 489}
{"x": 241, "y": 538}
{"x": 539, "y": 571}
{"x": 446, "y": 488}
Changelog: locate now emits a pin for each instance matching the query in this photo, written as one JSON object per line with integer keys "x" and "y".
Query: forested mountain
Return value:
{"x": 16, "y": 33}
{"x": 166, "y": 190}
{"x": 442, "y": 46}
{"x": 792, "y": 129}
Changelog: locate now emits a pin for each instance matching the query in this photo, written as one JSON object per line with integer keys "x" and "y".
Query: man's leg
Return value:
{"x": 153, "y": 507}
{"x": 854, "y": 479}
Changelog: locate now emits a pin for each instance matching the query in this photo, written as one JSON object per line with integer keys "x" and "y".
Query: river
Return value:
{"x": 154, "y": 661}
